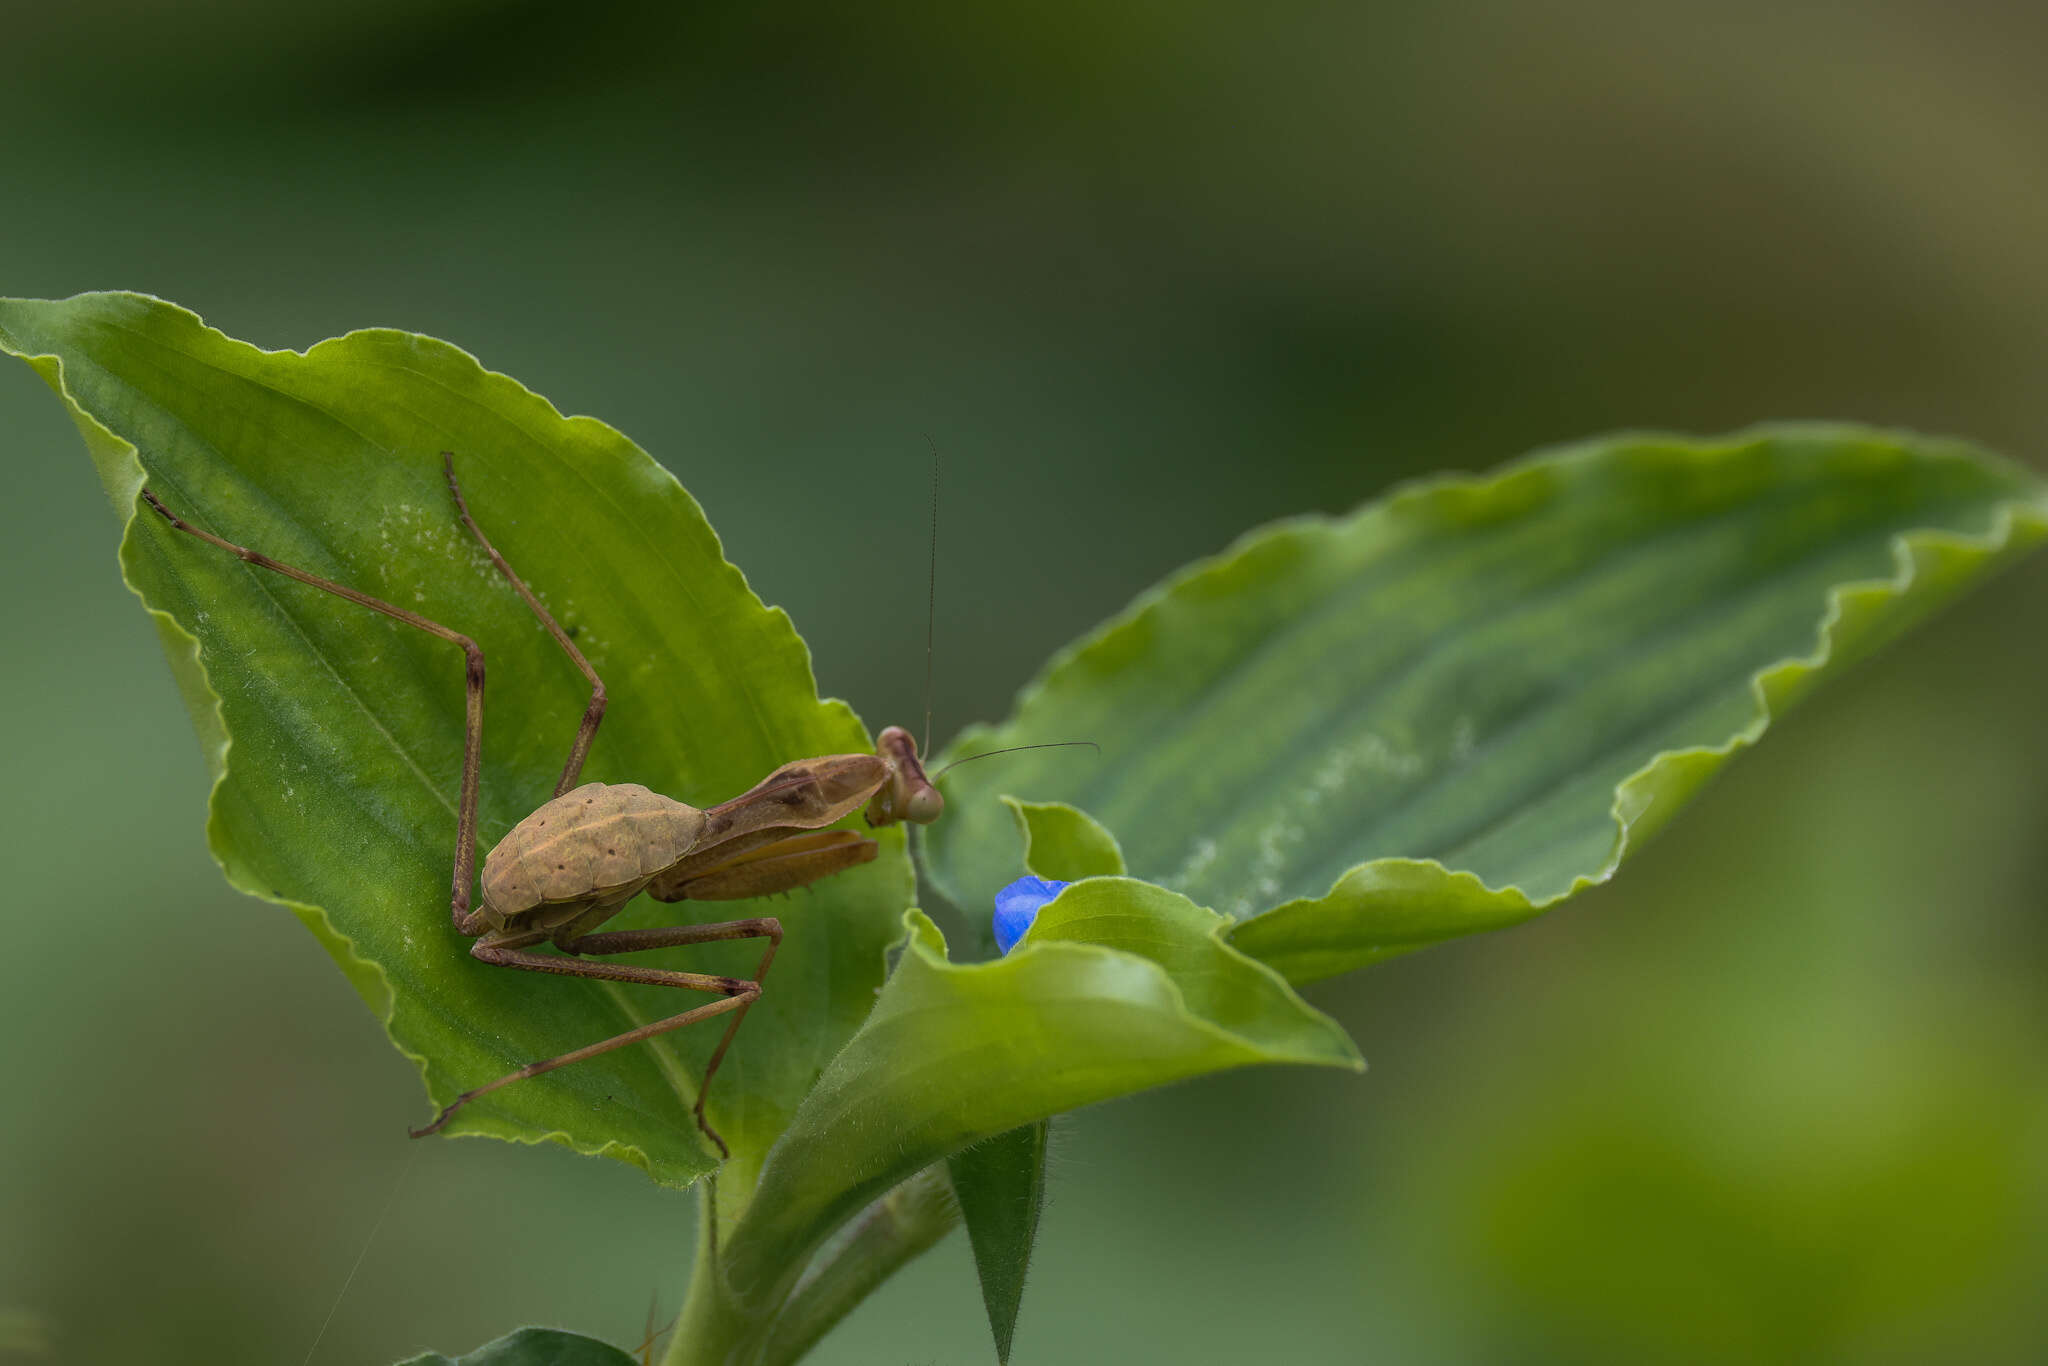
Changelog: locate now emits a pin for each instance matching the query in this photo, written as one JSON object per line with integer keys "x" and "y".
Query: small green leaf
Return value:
{"x": 1463, "y": 703}
{"x": 1121, "y": 986}
{"x": 1064, "y": 843}
{"x": 1000, "y": 1185}
{"x": 533, "y": 1347}
{"x": 335, "y": 735}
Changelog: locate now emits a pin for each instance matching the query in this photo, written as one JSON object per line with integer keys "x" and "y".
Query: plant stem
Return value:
{"x": 895, "y": 1229}
{"x": 711, "y": 1331}
{"x": 714, "y": 1331}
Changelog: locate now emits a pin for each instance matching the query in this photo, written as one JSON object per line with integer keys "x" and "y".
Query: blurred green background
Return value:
{"x": 1147, "y": 274}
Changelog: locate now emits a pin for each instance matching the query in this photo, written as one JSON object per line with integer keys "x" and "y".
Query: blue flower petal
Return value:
{"x": 1018, "y": 904}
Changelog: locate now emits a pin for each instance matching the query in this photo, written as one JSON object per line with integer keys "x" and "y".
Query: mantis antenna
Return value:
{"x": 931, "y": 617}
{"x": 1012, "y": 749}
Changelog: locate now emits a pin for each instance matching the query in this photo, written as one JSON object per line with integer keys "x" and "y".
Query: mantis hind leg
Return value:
{"x": 627, "y": 941}
{"x": 740, "y": 994}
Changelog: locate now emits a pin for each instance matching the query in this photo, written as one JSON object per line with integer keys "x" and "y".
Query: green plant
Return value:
{"x": 1338, "y": 741}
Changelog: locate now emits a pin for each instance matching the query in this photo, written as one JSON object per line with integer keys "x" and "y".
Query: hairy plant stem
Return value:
{"x": 713, "y": 1330}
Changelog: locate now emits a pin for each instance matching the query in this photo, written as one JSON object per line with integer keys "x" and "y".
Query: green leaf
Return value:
{"x": 1121, "y": 986}
{"x": 1000, "y": 1185}
{"x": 1469, "y": 700}
{"x": 1063, "y": 843}
{"x": 533, "y": 1347}
{"x": 335, "y": 735}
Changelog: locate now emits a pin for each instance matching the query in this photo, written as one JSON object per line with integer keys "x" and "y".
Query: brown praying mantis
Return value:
{"x": 576, "y": 861}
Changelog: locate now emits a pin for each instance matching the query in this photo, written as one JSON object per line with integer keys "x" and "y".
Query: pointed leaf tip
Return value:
{"x": 1000, "y": 1186}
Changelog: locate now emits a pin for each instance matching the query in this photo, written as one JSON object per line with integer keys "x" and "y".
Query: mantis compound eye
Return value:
{"x": 925, "y": 806}
{"x": 1018, "y": 904}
